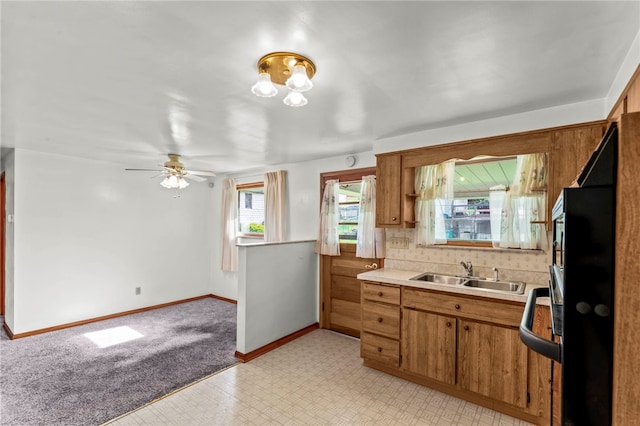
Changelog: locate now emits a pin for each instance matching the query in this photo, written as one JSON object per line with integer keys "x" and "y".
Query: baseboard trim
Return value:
{"x": 7, "y": 330}
{"x": 224, "y": 299}
{"x": 275, "y": 344}
{"x": 106, "y": 317}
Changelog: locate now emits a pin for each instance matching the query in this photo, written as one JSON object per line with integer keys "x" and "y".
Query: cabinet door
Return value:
{"x": 429, "y": 345}
{"x": 388, "y": 191}
{"x": 492, "y": 362}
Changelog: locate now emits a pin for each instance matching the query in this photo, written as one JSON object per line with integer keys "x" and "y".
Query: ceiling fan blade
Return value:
{"x": 200, "y": 172}
{"x": 142, "y": 170}
{"x": 193, "y": 177}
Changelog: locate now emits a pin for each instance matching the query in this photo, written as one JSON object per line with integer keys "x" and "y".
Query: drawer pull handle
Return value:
{"x": 379, "y": 319}
{"x": 457, "y": 306}
{"x": 466, "y": 328}
{"x": 448, "y": 323}
{"x": 379, "y": 349}
{"x": 380, "y": 293}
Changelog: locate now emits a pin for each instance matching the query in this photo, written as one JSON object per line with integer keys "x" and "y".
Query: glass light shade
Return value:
{"x": 295, "y": 99}
{"x": 299, "y": 80}
{"x": 165, "y": 183}
{"x": 264, "y": 88}
{"x": 182, "y": 183}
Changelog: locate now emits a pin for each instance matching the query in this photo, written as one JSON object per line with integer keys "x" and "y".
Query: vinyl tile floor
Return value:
{"x": 317, "y": 379}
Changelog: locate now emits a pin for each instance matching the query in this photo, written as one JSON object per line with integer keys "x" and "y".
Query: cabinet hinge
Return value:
{"x": 528, "y": 398}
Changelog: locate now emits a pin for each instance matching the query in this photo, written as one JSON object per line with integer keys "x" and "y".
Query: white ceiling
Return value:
{"x": 130, "y": 81}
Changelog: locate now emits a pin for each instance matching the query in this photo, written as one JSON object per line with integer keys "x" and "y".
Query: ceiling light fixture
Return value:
{"x": 174, "y": 181}
{"x": 288, "y": 69}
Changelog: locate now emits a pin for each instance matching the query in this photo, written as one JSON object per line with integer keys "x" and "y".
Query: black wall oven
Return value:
{"x": 581, "y": 290}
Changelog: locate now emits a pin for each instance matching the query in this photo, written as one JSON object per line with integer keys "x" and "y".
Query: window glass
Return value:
{"x": 251, "y": 209}
{"x": 467, "y": 217}
{"x": 349, "y": 211}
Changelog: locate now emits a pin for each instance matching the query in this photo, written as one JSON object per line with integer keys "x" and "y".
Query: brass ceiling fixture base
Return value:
{"x": 280, "y": 64}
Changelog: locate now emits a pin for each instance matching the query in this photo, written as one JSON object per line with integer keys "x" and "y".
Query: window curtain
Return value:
{"x": 328, "y": 237}
{"x": 229, "y": 225}
{"x": 371, "y": 240}
{"x": 524, "y": 204}
{"x": 275, "y": 207}
{"x": 433, "y": 185}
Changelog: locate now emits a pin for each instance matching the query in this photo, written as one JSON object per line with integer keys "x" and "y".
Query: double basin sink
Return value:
{"x": 514, "y": 287}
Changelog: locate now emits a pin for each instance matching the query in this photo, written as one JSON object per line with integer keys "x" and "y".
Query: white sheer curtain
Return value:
{"x": 229, "y": 225}
{"x": 371, "y": 240}
{"x": 275, "y": 193}
{"x": 433, "y": 184}
{"x": 328, "y": 238}
{"x": 524, "y": 204}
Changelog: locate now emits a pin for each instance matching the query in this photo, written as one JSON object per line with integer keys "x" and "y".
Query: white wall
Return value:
{"x": 87, "y": 233}
{"x": 303, "y": 207}
{"x": 277, "y": 292}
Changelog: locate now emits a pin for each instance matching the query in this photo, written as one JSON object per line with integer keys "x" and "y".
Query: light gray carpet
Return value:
{"x": 63, "y": 378}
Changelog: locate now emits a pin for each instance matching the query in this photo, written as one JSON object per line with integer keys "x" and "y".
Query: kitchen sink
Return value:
{"x": 439, "y": 278}
{"x": 516, "y": 287}
{"x": 501, "y": 286}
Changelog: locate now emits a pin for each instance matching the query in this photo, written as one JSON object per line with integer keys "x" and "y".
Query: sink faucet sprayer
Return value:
{"x": 467, "y": 267}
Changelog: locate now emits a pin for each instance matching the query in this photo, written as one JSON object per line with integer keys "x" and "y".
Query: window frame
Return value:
{"x": 244, "y": 186}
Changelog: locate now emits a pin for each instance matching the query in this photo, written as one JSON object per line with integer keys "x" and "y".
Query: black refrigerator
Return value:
{"x": 581, "y": 290}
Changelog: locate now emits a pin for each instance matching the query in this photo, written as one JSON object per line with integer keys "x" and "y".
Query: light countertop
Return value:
{"x": 402, "y": 277}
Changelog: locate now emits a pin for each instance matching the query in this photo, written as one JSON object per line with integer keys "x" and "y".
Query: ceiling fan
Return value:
{"x": 174, "y": 173}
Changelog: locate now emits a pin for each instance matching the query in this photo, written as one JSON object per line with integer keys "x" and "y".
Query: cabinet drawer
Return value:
{"x": 499, "y": 312}
{"x": 381, "y": 293}
{"x": 381, "y": 319}
{"x": 380, "y": 349}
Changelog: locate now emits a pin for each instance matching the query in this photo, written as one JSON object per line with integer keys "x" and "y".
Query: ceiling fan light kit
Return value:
{"x": 288, "y": 69}
{"x": 175, "y": 174}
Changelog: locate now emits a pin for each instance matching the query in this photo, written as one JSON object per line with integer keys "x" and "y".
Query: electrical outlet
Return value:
{"x": 399, "y": 243}
{"x": 138, "y": 290}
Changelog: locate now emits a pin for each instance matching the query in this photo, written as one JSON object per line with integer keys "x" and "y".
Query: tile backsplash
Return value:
{"x": 513, "y": 265}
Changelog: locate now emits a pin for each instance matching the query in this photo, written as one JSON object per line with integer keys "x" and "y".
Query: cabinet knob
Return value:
{"x": 379, "y": 319}
{"x": 457, "y": 306}
{"x": 394, "y": 219}
{"x": 466, "y": 328}
{"x": 380, "y": 293}
{"x": 448, "y": 323}
{"x": 379, "y": 349}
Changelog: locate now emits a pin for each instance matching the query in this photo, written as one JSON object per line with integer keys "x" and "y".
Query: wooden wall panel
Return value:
{"x": 626, "y": 360}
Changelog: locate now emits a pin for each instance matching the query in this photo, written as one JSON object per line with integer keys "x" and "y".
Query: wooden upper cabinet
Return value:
{"x": 388, "y": 191}
{"x": 570, "y": 151}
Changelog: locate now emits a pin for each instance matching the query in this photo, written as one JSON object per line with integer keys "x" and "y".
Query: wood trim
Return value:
{"x": 275, "y": 344}
{"x": 622, "y": 100}
{"x": 106, "y": 317}
{"x": 241, "y": 186}
{"x": 7, "y": 330}
{"x": 224, "y": 299}
{"x": 345, "y": 175}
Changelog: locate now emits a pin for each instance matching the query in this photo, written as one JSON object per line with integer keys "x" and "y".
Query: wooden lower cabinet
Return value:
{"x": 466, "y": 346}
{"x": 429, "y": 345}
{"x": 492, "y": 361}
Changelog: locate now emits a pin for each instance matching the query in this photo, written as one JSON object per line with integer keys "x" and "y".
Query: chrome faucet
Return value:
{"x": 468, "y": 267}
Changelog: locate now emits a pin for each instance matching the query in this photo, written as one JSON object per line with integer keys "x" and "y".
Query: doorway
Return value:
{"x": 2, "y": 239}
{"x": 339, "y": 285}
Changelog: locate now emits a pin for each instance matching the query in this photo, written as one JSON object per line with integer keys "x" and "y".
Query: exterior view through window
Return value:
{"x": 349, "y": 211}
{"x": 251, "y": 209}
{"x": 467, "y": 217}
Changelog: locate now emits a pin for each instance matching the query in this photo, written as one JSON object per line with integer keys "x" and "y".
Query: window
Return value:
{"x": 467, "y": 217}
{"x": 251, "y": 209}
{"x": 349, "y": 211}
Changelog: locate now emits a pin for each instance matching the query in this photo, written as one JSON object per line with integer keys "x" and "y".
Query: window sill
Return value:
{"x": 485, "y": 248}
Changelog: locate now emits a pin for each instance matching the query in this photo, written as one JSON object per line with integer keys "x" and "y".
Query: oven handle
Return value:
{"x": 543, "y": 346}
